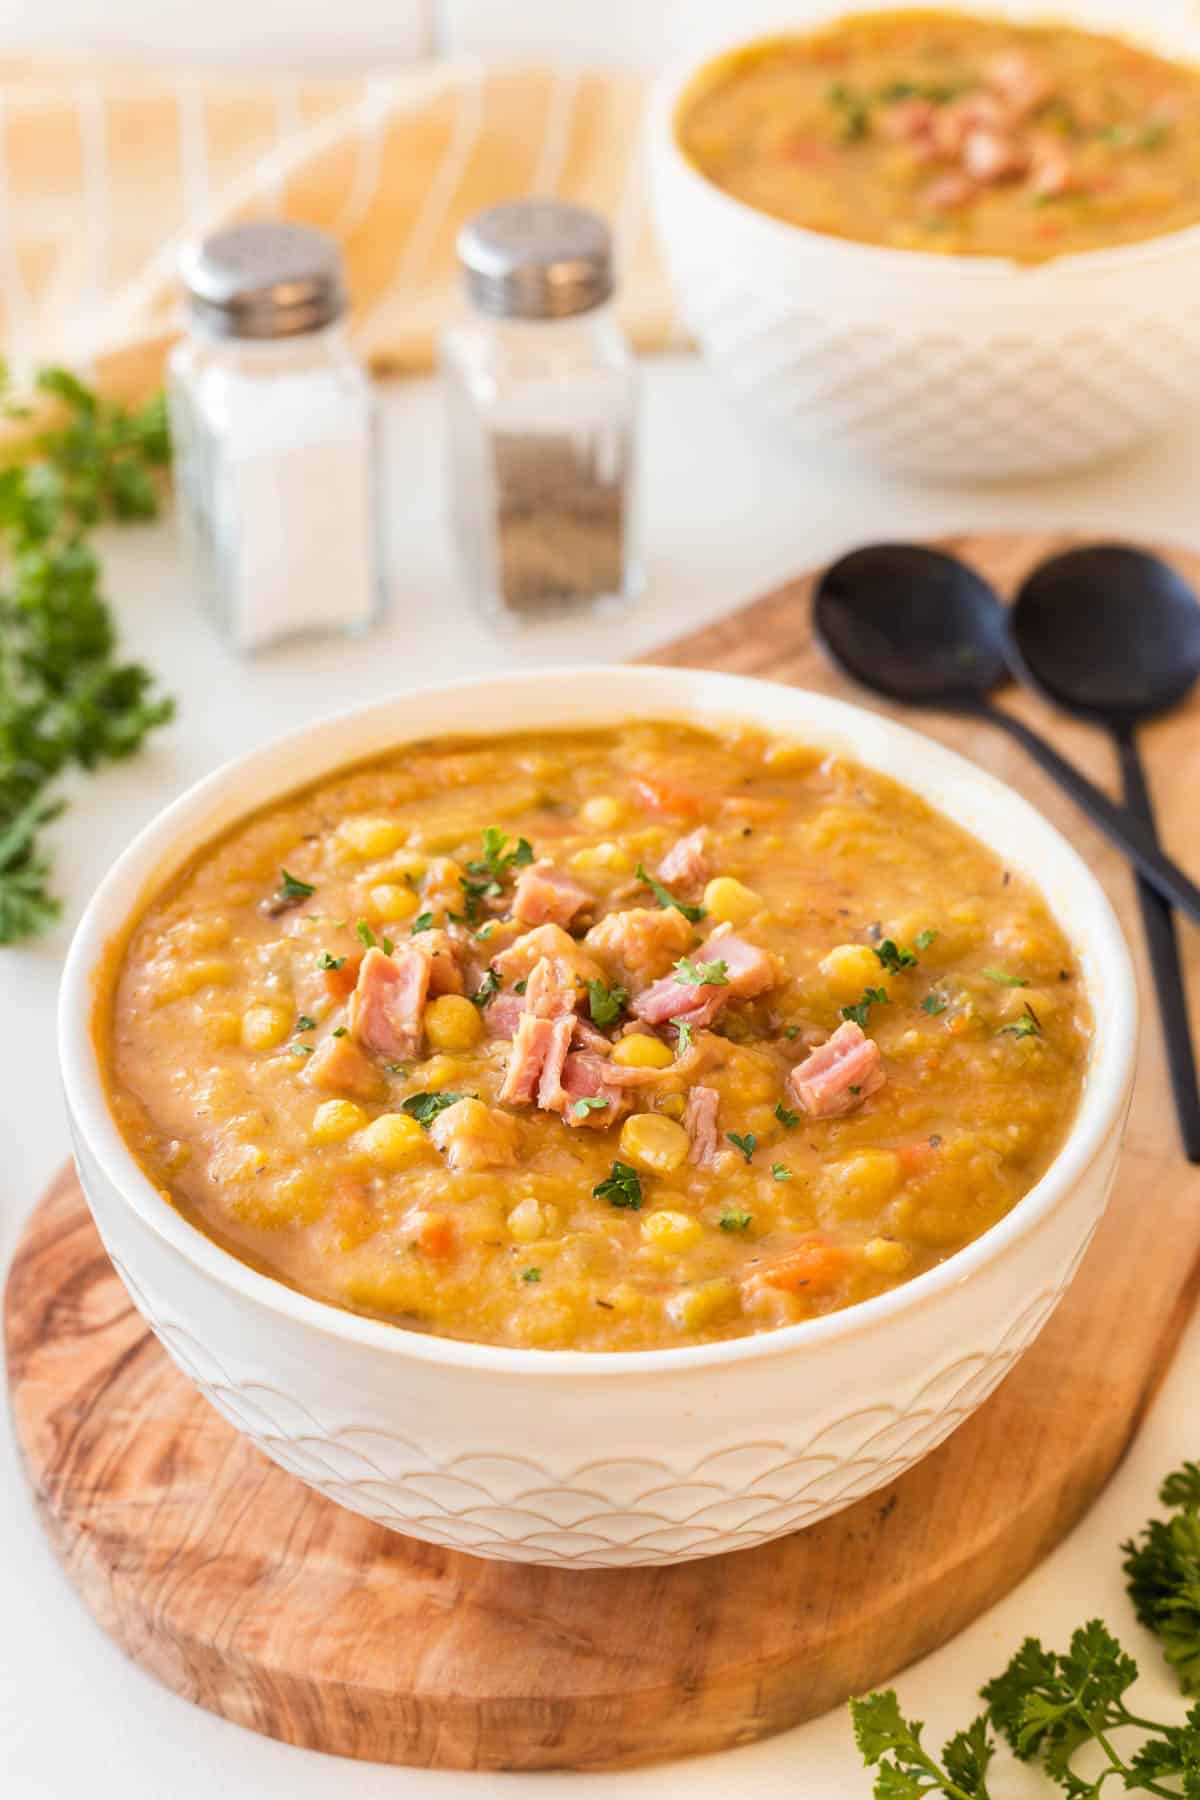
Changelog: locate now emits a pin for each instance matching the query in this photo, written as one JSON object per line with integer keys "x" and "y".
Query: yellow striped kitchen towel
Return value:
{"x": 106, "y": 172}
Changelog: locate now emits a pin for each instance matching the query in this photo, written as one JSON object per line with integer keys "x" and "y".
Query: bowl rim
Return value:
{"x": 154, "y": 853}
{"x": 667, "y": 94}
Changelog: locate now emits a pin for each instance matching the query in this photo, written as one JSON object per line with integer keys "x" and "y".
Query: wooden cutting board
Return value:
{"x": 253, "y": 1596}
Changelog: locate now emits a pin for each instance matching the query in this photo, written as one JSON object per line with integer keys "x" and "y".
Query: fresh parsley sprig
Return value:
{"x": 666, "y": 898}
{"x": 859, "y": 1012}
{"x": 606, "y": 1004}
{"x": 65, "y": 697}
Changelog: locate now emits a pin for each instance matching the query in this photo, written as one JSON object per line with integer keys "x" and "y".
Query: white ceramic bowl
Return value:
{"x": 951, "y": 368}
{"x": 565, "y": 1457}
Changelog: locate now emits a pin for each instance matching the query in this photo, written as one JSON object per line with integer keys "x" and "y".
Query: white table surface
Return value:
{"x": 726, "y": 518}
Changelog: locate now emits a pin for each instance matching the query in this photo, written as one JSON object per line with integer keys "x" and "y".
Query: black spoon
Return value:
{"x": 923, "y": 629}
{"x": 1113, "y": 635}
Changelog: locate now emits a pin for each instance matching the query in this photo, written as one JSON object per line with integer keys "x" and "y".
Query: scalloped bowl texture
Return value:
{"x": 950, "y": 368}
{"x": 602, "y": 1460}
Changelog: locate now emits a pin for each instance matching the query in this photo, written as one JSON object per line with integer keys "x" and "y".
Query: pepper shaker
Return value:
{"x": 272, "y": 417}
{"x": 541, "y": 388}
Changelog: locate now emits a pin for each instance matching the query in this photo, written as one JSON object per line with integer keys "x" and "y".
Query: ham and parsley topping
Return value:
{"x": 605, "y": 1040}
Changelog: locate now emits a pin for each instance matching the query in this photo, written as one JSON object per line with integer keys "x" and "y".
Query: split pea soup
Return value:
{"x": 953, "y": 132}
{"x": 604, "y": 1040}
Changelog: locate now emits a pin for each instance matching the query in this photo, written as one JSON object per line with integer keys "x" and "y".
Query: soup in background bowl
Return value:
{"x": 591, "y": 1458}
{"x": 952, "y": 132}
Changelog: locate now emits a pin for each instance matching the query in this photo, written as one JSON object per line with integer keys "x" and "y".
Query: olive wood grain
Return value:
{"x": 241, "y": 1589}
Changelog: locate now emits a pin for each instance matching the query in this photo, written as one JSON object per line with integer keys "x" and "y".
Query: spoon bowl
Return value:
{"x": 913, "y": 624}
{"x": 1110, "y": 632}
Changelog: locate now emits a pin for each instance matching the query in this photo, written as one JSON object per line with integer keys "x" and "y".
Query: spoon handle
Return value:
{"x": 1119, "y": 824}
{"x": 1158, "y": 923}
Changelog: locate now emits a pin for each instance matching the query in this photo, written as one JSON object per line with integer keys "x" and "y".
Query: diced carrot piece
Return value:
{"x": 436, "y": 1237}
{"x": 341, "y": 983}
{"x": 663, "y": 795}
{"x": 812, "y": 1265}
{"x": 916, "y": 1157}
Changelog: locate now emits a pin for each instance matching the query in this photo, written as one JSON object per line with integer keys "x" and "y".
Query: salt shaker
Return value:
{"x": 275, "y": 447}
{"x": 541, "y": 388}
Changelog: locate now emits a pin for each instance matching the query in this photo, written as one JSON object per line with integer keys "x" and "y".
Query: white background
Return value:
{"x": 726, "y": 517}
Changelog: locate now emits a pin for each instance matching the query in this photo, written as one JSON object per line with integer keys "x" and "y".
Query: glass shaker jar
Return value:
{"x": 275, "y": 446}
{"x": 542, "y": 405}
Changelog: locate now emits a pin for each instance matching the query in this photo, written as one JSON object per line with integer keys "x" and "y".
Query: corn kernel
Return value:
{"x": 441, "y": 1071}
{"x": 654, "y": 1143}
{"x": 391, "y": 902}
{"x": 531, "y": 1219}
{"x": 849, "y": 968}
{"x": 335, "y": 1120}
{"x": 671, "y": 1230}
{"x": 265, "y": 1027}
{"x": 182, "y": 979}
{"x": 887, "y": 1256}
{"x": 392, "y": 1140}
{"x": 790, "y": 759}
{"x": 731, "y": 902}
{"x": 604, "y": 811}
{"x": 706, "y": 1304}
{"x": 641, "y": 1051}
{"x": 673, "y": 1105}
{"x": 453, "y": 1024}
{"x": 244, "y": 1163}
{"x": 368, "y": 837}
{"x": 221, "y": 1028}
{"x": 611, "y": 857}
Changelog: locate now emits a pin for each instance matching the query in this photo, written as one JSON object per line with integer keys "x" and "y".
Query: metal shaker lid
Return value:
{"x": 537, "y": 259}
{"x": 266, "y": 279}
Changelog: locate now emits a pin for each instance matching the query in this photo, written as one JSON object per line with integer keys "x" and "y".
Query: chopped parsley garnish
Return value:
{"x": 365, "y": 935}
{"x": 531, "y": 1274}
{"x": 520, "y": 986}
{"x": 747, "y": 1144}
{"x": 933, "y": 1003}
{"x": 861, "y": 1009}
{"x": 425, "y": 1107}
{"x": 392, "y": 1068}
{"x": 786, "y": 1119}
{"x": 781, "y": 1172}
{"x": 856, "y": 116}
{"x": 386, "y": 945}
{"x": 705, "y": 974}
{"x": 893, "y": 957}
{"x": 304, "y": 1023}
{"x": 487, "y": 990}
{"x": 338, "y": 1031}
{"x": 684, "y": 1040}
{"x": 290, "y": 890}
{"x": 589, "y": 1103}
{"x": 473, "y": 893}
{"x": 486, "y": 931}
{"x": 422, "y": 922}
{"x": 924, "y": 938}
{"x": 622, "y": 1188}
{"x": 1028, "y": 1025}
{"x": 325, "y": 961}
{"x": 301, "y": 1049}
{"x": 606, "y": 1003}
{"x": 734, "y": 1221}
{"x": 666, "y": 898}
{"x": 1003, "y": 979}
{"x": 497, "y": 858}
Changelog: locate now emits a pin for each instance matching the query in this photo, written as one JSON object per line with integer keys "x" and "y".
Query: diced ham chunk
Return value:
{"x": 1052, "y": 172}
{"x": 908, "y": 121}
{"x": 839, "y": 1074}
{"x": 949, "y": 192}
{"x": 503, "y": 1015}
{"x": 990, "y": 155}
{"x": 700, "y": 1122}
{"x": 475, "y": 1136}
{"x": 1018, "y": 81}
{"x": 550, "y": 990}
{"x": 641, "y": 943}
{"x": 338, "y": 1066}
{"x": 748, "y": 971}
{"x": 531, "y": 1041}
{"x": 587, "y": 1077}
{"x": 517, "y": 962}
{"x": 545, "y": 895}
{"x": 551, "y": 1094}
{"x": 687, "y": 863}
{"x": 445, "y": 975}
{"x": 389, "y": 1000}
